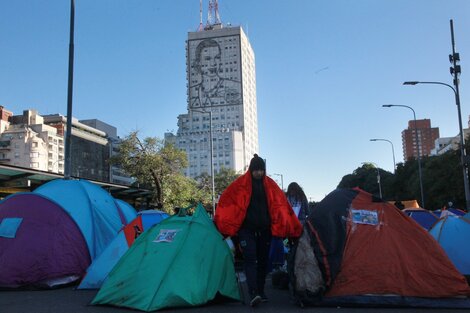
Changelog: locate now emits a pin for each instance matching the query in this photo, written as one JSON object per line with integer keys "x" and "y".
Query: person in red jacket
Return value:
{"x": 255, "y": 208}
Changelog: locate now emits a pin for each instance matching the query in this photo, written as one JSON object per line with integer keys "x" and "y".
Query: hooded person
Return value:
{"x": 254, "y": 208}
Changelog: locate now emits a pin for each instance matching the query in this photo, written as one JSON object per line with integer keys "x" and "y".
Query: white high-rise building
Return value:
{"x": 220, "y": 79}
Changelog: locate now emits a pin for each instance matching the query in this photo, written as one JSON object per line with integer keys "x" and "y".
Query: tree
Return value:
{"x": 365, "y": 177}
{"x": 182, "y": 191}
{"x": 222, "y": 179}
{"x": 157, "y": 165}
{"x": 442, "y": 180}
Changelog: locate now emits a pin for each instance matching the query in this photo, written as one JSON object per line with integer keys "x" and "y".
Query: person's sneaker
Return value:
{"x": 256, "y": 300}
{"x": 264, "y": 298}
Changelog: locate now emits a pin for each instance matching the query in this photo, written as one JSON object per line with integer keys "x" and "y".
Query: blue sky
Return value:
{"x": 324, "y": 69}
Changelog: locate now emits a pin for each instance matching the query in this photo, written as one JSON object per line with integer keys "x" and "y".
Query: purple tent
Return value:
{"x": 40, "y": 244}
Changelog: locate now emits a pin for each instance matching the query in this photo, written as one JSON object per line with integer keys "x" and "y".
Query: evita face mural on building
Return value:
{"x": 215, "y": 73}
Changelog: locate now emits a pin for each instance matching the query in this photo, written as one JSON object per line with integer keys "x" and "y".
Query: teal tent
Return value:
{"x": 183, "y": 261}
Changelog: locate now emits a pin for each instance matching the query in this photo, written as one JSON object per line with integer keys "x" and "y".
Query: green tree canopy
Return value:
{"x": 366, "y": 178}
{"x": 222, "y": 179}
{"x": 158, "y": 166}
{"x": 442, "y": 181}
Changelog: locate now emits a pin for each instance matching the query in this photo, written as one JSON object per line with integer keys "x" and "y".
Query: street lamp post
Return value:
{"x": 282, "y": 180}
{"x": 418, "y": 147}
{"x": 211, "y": 148}
{"x": 68, "y": 132}
{"x": 378, "y": 176}
{"x": 393, "y": 151}
{"x": 455, "y": 70}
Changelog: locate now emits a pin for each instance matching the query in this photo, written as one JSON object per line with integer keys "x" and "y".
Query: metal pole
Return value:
{"x": 393, "y": 151}
{"x": 463, "y": 157}
{"x": 212, "y": 162}
{"x": 68, "y": 132}
{"x": 211, "y": 147}
{"x": 456, "y": 70}
{"x": 419, "y": 158}
{"x": 378, "y": 177}
{"x": 282, "y": 180}
{"x": 378, "y": 181}
{"x": 418, "y": 147}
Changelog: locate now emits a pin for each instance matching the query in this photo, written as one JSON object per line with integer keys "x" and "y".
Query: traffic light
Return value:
{"x": 454, "y": 59}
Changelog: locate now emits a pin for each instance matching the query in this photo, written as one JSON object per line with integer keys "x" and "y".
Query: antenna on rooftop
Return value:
{"x": 213, "y": 8}
{"x": 209, "y": 16}
{"x": 200, "y": 28}
{"x": 216, "y": 12}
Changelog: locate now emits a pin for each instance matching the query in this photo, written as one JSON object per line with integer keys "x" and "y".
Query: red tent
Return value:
{"x": 369, "y": 251}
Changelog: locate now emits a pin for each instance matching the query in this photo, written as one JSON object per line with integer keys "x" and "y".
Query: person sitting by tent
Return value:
{"x": 255, "y": 208}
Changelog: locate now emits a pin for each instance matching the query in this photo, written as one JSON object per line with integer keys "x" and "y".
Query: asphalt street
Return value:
{"x": 78, "y": 301}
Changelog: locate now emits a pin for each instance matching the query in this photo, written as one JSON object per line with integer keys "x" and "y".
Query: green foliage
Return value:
{"x": 222, "y": 179}
{"x": 442, "y": 181}
{"x": 445, "y": 182}
{"x": 158, "y": 166}
{"x": 183, "y": 191}
{"x": 365, "y": 177}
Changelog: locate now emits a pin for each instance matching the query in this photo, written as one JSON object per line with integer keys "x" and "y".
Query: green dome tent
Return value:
{"x": 183, "y": 261}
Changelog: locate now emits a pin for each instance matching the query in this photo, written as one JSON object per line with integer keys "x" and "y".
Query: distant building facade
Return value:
{"x": 445, "y": 144}
{"x": 26, "y": 141}
{"x": 220, "y": 79}
{"x": 34, "y": 141}
{"x": 88, "y": 148}
{"x": 426, "y": 136}
{"x": 116, "y": 173}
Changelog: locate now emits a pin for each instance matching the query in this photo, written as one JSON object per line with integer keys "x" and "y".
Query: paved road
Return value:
{"x": 77, "y": 301}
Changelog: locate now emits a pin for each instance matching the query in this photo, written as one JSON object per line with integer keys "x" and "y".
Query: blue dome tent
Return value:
{"x": 95, "y": 211}
{"x": 452, "y": 233}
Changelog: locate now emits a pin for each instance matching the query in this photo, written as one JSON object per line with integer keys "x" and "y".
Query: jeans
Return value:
{"x": 255, "y": 248}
